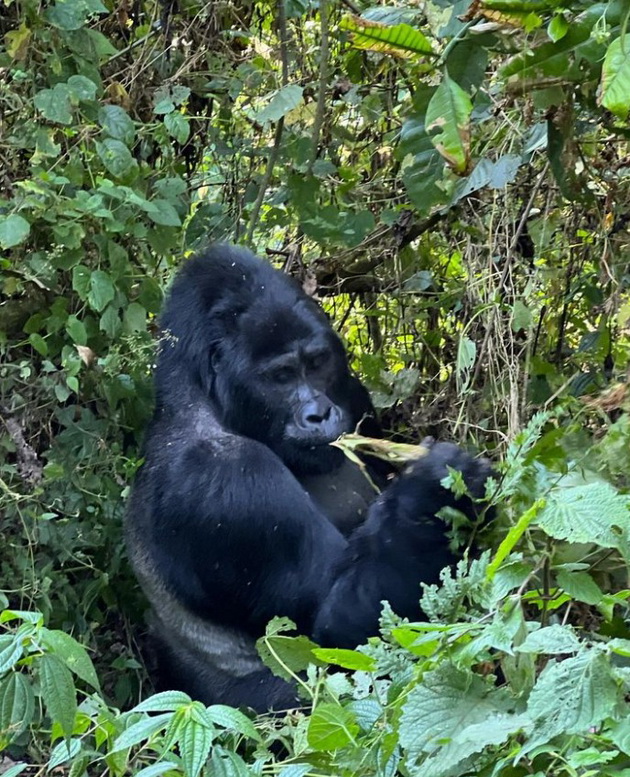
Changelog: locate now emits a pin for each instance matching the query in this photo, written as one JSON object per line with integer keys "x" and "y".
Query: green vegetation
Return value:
{"x": 452, "y": 179}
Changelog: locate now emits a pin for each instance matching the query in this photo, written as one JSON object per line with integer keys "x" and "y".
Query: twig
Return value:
{"x": 320, "y": 111}
{"x": 277, "y": 138}
{"x": 506, "y": 269}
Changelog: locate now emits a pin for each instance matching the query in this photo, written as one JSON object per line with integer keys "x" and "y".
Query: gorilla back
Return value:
{"x": 243, "y": 511}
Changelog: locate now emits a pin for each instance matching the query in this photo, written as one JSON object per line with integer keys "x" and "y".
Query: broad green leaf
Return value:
{"x": 14, "y": 230}
{"x": 399, "y": 39}
{"x": 466, "y": 353}
{"x": 157, "y": 769}
{"x": 82, "y": 88}
{"x": 513, "y": 536}
{"x": 17, "y": 704}
{"x": 195, "y": 741}
{"x": 14, "y": 770}
{"x": 73, "y": 654}
{"x": 17, "y": 41}
{"x": 81, "y": 280}
{"x": 177, "y": 126}
{"x": 62, "y": 752}
{"x": 58, "y": 691}
{"x": 38, "y": 343}
{"x": 230, "y": 718}
{"x": 116, "y": 157}
{"x": 572, "y": 696}
{"x": 162, "y": 212}
{"x": 54, "y": 104}
{"x": 282, "y": 102}
{"x": 615, "y": 85}
{"x": 580, "y": 586}
{"x": 141, "y": 731}
{"x": 449, "y": 112}
{"x": 167, "y": 701}
{"x": 225, "y": 763}
{"x": 76, "y": 329}
{"x": 135, "y": 318}
{"x": 73, "y": 14}
{"x": 331, "y": 727}
{"x": 348, "y": 659}
{"x": 11, "y": 651}
{"x": 117, "y": 123}
{"x": 588, "y": 513}
{"x": 558, "y": 27}
{"x": 552, "y": 640}
{"x": 102, "y": 290}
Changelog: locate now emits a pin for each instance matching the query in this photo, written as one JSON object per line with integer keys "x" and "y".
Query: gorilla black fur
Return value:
{"x": 243, "y": 511}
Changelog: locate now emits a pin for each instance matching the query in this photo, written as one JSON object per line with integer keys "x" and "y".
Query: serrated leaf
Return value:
{"x": 615, "y": 85}
{"x": 102, "y": 290}
{"x": 232, "y": 719}
{"x": 449, "y": 112}
{"x": 16, "y": 706}
{"x": 552, "y": 640}
{"x": 63, "y": 752}
{"x": 588, "y": 513}
{"x": 398, "y": 39}
{"x": 331, "y": 727}
{"x": 348, "y": 659}
{"x": 58, "y": 692}
{"x": 74, "y": 655}
{"x": 14, "y": 230}
{"x": 283, "y": 101}
{"x": 580, "y": 586}
{"x": 447, "y": 701}
{"x": 166, "y": 701}
{"x": 572, "y": 696}
{"x": 11, "y": 651}
{"x": 195, "y": 742}
{"x": 141, "y": 731}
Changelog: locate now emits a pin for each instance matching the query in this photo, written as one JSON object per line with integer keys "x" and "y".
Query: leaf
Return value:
{"x": 135, "y": 318}
{"x": 73, "y": 14}
{"x": 229, "y": 718}
{"x": 82, "y": 88}
{"x": 102, "y": 290}
{"x": 141, "y": 731}
{"x": 615, "y": 84}
{"x": 13, "y": 230}
{"x": 283, "y": 101}
{"x": 54, "y": 104}
{"x": 17, "y": 42}
{"x": 400, "y": 39}
{"x": 162, "y": 212}
{"x": 167, "y": 701}
{"x": 17, "y": 704}
{"x": 588, "y": 513}
{"x": 552, "y": 640}
{"x": 73, "y": 654}
{"x": 58, "y": 692}
{"x": 116, "y": 157}
{"x": 449, "y": 112}
{"x": 64, "y": 751}
{"x": 572, "y": 696}
{"x": 195, "y": 741}
{"x": 513, "y": 536}
{"x": 177, "y": 126}
{"x": 331, "y": 727}
{"x": 580, "y": 586}
{"x": 117, "y": 123}
{"x": 348, "y": 659}
{"x": 11, "y": 650}
{"x": 81, "y": 280}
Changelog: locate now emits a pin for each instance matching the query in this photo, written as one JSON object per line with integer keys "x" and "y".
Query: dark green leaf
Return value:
{"x": 58, "y": 692}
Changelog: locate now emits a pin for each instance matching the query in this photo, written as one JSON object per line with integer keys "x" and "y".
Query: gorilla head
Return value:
{"x": 265, "y": 356}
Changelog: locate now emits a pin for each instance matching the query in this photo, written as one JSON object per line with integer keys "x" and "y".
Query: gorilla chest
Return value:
{"x": 343, "y": 496}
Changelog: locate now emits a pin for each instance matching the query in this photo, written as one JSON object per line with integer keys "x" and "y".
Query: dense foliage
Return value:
{"x": 452, "y": 180}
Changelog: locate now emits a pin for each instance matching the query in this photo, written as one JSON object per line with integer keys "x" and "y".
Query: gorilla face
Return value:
{"x": 282, "y": 378}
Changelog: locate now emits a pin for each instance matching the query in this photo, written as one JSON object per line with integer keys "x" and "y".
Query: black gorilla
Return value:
{"x": 243, "y": 511}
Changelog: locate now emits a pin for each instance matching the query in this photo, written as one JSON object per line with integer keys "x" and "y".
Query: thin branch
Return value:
{"x": 320, "y": 111}
{"x": 277, "y": 138}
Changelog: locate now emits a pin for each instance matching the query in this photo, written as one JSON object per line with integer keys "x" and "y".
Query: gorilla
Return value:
{"x": 242, "y": 510}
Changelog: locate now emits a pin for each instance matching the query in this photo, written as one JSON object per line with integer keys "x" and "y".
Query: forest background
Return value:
{"x": 452, "y": 180}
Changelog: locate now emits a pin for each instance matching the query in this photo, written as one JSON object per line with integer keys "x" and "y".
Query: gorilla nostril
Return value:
{"x": 318, "y": 416}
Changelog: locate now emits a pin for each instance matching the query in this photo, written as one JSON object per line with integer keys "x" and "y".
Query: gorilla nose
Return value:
{"x": 316, "y": 412}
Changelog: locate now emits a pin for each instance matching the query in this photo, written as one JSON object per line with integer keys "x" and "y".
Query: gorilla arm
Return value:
{"x": 253, "y": 544}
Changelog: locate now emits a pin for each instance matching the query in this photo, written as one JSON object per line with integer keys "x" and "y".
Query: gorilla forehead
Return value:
{"x": 267, "y": 330}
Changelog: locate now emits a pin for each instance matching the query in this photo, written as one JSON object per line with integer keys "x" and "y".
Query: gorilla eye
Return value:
{"x": 283, "y": 374}
{"x": 318, "y": 360}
